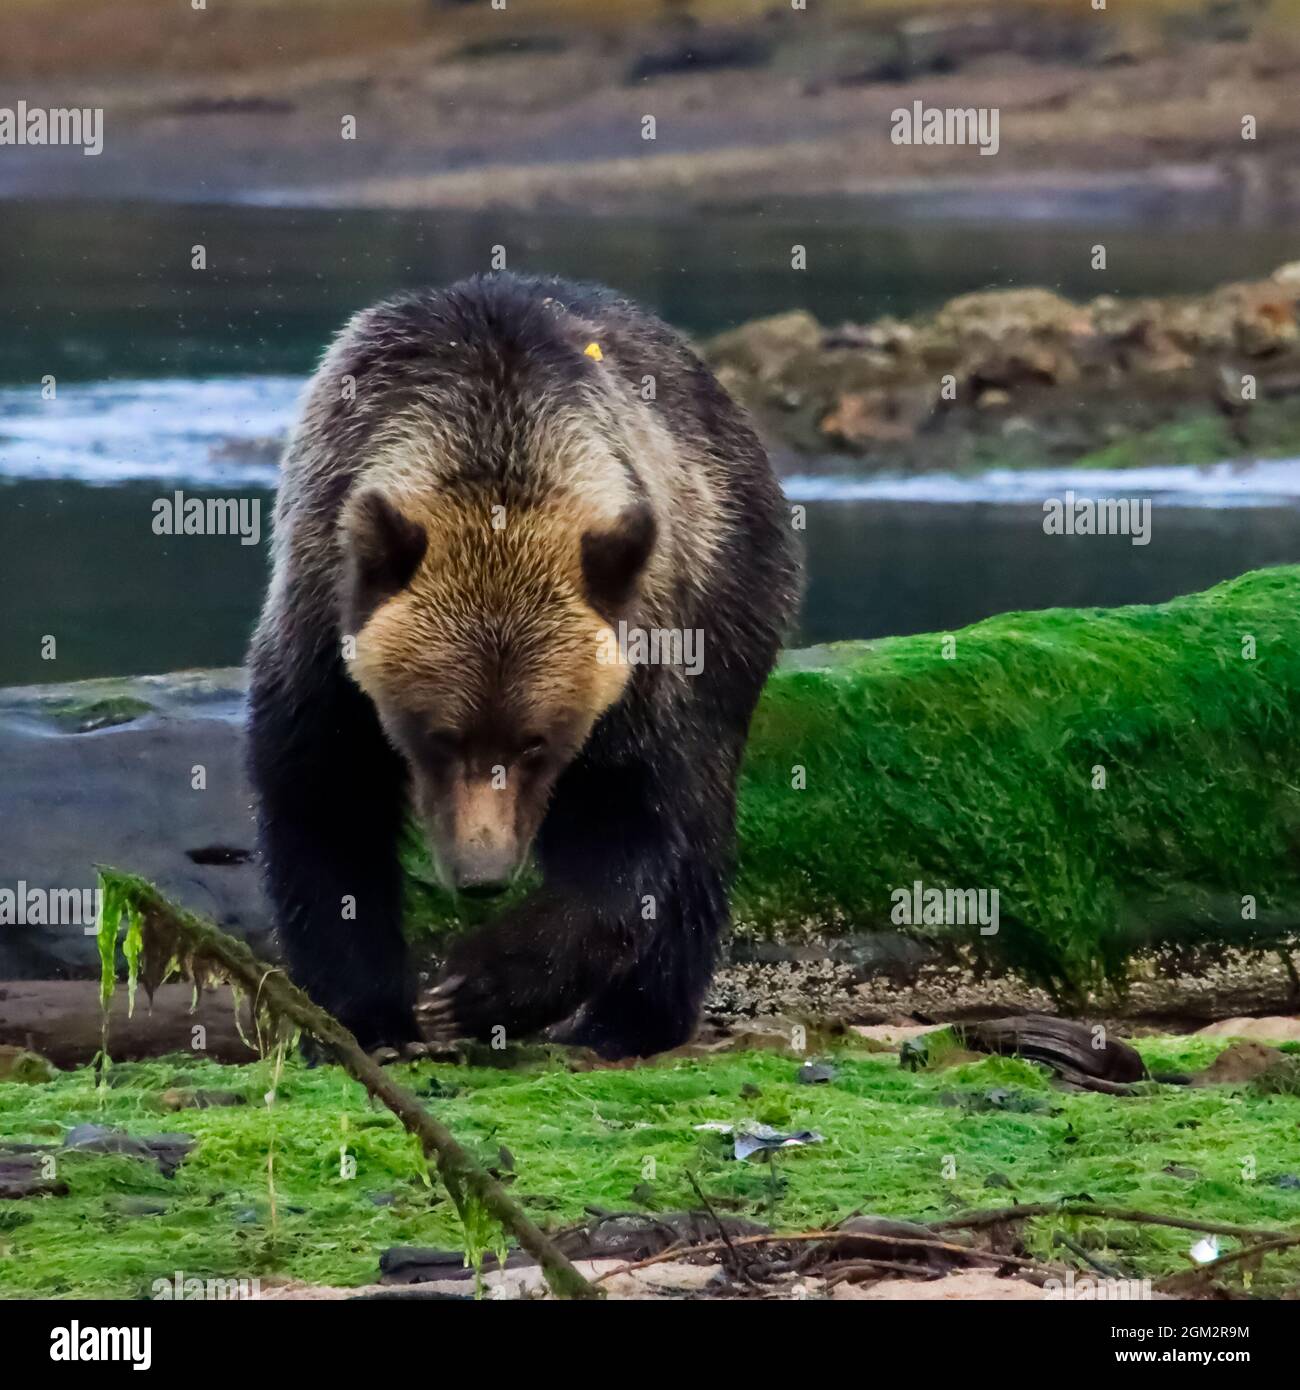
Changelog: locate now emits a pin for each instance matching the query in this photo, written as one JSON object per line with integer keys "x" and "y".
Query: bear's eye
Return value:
{"x": 442, "y": 744}
{"x": 533, "y": 750}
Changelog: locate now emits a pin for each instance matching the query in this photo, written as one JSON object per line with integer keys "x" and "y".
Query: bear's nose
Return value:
{"x": 482, "y": 890}
{"x": 483, "y": 871}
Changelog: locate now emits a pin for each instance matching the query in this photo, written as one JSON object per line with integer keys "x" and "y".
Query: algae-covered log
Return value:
{"x": 1121, "y": 777}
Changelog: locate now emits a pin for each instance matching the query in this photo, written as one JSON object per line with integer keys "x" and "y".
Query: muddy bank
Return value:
{"x": 1025, "y": 377}
{"x": 458, "y": 106}
{"x": 754, "y": 1001}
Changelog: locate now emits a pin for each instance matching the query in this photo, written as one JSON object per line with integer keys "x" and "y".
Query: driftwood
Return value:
{"x": 60, "y": 1019}
{"x": 176, "y": 937}
{"x": 1079, "y": 1053}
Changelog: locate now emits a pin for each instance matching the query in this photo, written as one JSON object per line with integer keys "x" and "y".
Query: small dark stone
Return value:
{"x": 140, "y": 1206}
{"x": 23, "y": 1175}
{"x": 168, "y": 1151}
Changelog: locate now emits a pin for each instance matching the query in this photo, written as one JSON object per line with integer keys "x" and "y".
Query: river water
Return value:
{"x": 167, "y": 378}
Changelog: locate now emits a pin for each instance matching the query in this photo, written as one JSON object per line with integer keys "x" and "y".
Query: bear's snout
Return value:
{"x": 483, "y": 851}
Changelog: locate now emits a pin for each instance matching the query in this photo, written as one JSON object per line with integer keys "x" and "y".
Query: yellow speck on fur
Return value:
{"x": 593, "y": 350}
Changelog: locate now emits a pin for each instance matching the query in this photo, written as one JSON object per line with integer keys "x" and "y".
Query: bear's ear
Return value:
{"x": 613, "y": 560}
{"x": 384, "y": 550}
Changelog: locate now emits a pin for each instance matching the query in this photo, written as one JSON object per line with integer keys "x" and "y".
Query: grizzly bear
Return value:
{"x": 506, "y": 511}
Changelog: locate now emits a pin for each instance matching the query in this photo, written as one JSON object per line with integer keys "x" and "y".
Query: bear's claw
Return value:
{"x": 437, "y": 1011}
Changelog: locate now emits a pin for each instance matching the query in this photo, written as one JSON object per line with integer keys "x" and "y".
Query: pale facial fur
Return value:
{"x": 484, "y": 669}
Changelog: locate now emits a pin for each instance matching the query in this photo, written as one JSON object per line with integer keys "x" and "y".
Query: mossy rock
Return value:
{"x": 85, "y": 716}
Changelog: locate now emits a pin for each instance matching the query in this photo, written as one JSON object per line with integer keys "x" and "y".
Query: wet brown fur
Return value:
{"x": 453, "y": 539}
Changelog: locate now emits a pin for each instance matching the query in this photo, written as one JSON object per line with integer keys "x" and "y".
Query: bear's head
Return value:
{"x": 483, "y": 638}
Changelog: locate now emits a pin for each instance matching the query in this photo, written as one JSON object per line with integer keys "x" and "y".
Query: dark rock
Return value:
{"x": 702, "y": 50}
{"x": 23, "y": 1175}
{"x": 168, "y": 1151}
{"x": 122, "y": 795}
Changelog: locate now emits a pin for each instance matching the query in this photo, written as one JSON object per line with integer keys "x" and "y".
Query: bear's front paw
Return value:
{"x": 474, "y": 1000}
{"x": 437, "y": 1013}
{"x": 464, "y": 1006}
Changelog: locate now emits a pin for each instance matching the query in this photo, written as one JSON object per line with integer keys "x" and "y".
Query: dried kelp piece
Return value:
{"x": 884, "y": 1238}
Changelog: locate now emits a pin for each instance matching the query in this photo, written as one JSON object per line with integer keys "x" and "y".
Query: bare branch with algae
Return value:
{"x": 165, "y": 941}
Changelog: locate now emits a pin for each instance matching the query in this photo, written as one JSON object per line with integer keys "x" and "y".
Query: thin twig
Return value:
{"x": 1072, "y": 1245}
{"x": 711, "y": 1247}
{"x": 841, "y": 1272}
{"x": 736, "y": 1262}
{"x": 1263, "y": 1247}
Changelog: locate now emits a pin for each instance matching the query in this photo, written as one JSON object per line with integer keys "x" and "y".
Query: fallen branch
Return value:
{"x": 972, "y": 1220}
{"x": 1268, "y": 1240}
{"x": 684, "y": 1252}
{"x": 180, "y": 935}
{"x": 844, "y": 1271}
{"x": 1202, "y": 1273}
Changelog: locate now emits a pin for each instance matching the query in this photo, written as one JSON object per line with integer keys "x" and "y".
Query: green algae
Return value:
{"x": 1200, "y": 439}
{"x": 923, "y": 1144}
{"x": 86, "y": 716}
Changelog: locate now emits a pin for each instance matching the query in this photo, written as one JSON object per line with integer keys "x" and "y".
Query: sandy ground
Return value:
{"x": 676, "y": 1279}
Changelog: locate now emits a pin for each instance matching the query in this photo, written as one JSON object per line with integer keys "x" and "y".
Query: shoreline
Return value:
{"x": 990, "y": 386}
{"x": 529, "y": 111}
